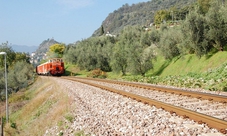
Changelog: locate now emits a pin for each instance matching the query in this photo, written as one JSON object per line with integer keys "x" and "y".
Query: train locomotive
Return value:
{"x": 54, "y": 67}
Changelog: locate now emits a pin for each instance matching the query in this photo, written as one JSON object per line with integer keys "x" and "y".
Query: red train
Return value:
{"x": 54, "y": 67}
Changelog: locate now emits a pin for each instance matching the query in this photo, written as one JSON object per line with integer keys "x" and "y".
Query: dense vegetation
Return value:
{"x": 142, "y": 14}
{"x": 19, "y": 71}
{"x": 202, "y": 32}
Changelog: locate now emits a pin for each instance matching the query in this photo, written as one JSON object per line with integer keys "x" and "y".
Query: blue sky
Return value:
{"x": 30, "y": 22}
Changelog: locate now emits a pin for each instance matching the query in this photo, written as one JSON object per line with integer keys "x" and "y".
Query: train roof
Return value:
{"x": 52, "y": 60}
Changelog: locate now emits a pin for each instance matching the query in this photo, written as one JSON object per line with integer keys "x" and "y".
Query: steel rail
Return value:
{"x": 212, "y": 122}
{"x": 199, "y": 95}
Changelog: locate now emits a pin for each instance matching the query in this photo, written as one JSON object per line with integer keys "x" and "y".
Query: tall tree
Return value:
{"x": 217, "y": 22}
{"x": 10, "y": 54}
{"x": 194, "y": 30}
{"x": 155, "y": 36}
{"x": 101, "y": 30}
{"x": 161, "y": 16}
{"x": 56, "y": 50}
{"x": 169, "y": 43}
{"x": 140, "y": 58}
{"x": 119, "y": 59}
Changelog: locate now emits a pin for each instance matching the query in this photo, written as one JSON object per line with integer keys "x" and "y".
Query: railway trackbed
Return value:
{"x": 181, "y": 106}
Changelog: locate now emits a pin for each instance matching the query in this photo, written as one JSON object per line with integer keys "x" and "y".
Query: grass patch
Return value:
{"x": 187, "y": 64}
{"x": 45, "y": 106}
{"x": 69, "y": 117}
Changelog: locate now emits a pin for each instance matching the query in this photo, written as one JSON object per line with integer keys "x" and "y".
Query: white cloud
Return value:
{"x": 75, "y": 4}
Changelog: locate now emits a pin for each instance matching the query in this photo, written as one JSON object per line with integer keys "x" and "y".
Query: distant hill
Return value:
{"x": 137, "y": 14}
{"x": 44, "y": 46}
{"x": 24, "y": 48}
{"x": 40, "y": 53}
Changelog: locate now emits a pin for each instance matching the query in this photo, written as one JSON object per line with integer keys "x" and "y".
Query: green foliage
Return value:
{"x": 61, "y": 133}
{"x": 56, "y": 50}
{"x": 169, "y": 43}
{"x": 69, "y": 118}
{"x": 140, "y": 58}
{"x": 155, "y": 36}
{"x": 19, "y": 71}
{"x": 216, "y": 19}
{"x": 134, "y": 49}
{"x": 22, "y": 57}
{"x": 91, "y": 53}
{"x": 161, "y": 16}
{"x": 119, "y": 61}
{"x": 194, "y": 30}
{"x": 4, "y": 47}
{"x": 204, "y": 6}
{"x": 69, "y": 54}
{"x": 213, "y": 80}
{"x": 143, "y": 14}
{"x": 13, "y": 125}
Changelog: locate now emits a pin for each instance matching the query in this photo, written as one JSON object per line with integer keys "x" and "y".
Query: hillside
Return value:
{"x": 40, "y": 53}
{"x": 30, "y": 109}
{"x": 188, "y": 64}
{"x": 137, "y": 14}
{"x": 44, "y": 46}
{"x": 207, "y": 72}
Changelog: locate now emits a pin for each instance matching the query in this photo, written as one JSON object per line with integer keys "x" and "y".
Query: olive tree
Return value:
{"x": 169, "y": 41}
{"x": 194, "y": 29}
{"x": 216, "y": 19}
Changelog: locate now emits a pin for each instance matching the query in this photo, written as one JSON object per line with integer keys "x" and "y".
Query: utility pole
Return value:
{"x": 7, "y": 109}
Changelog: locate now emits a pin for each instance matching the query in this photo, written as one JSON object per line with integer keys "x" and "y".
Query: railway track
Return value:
{"x": 212, "y": 122}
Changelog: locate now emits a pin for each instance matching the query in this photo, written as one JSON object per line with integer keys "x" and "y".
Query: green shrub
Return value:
{"x": 13, "y": 125}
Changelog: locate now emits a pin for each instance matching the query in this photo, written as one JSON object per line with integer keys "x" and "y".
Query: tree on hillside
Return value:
{"x": 169, "y": 43}
{"x": 20, "y": 72}
{"x": 194, "y": 31}
{"x": 20, "y": 75}
{"x": 119, "y": 59}
{"x": 22, "y": 57}
{"x": 155, "y": 36}
{"x": 136, "y": 47}
{"x": 56, "y": 50}
{"x": 204, "y": 5}
{"x": 69, "y": 54}
{"x": 86, "y": 51}
{"x": 140, "y": 58}
{"x": 120, "y": 54}
{"x": 216, "y": 19}
{"x": 161, "y": 16}
{"x": 104, "y": 48}
{"x": 101, "y": 30}
{"x": 10, "y": 54}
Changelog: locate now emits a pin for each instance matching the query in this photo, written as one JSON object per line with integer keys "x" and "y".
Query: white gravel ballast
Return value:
{"x": 101, "y": 113}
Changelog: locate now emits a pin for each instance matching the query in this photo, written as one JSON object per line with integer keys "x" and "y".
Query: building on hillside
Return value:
{"x": 110, "y": 35}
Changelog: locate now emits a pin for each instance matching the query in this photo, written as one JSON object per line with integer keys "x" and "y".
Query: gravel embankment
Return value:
{"x": 101, "y": 113}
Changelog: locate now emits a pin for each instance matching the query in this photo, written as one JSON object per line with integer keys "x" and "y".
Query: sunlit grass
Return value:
{"x": 45, "y": 106}
{"x": 188, "y": 64}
